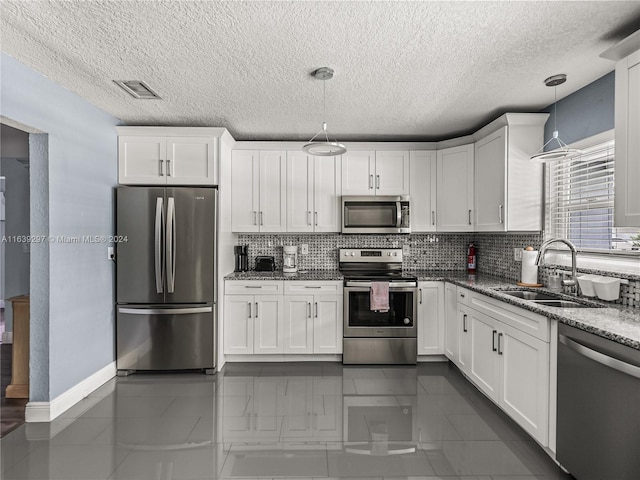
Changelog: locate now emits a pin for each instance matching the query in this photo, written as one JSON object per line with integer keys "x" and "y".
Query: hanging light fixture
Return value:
{"x": 562, "y": 150}
{"x": 323, "y": 146}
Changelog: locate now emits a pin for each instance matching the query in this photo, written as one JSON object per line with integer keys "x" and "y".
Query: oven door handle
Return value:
{"x": 398, "y": 214}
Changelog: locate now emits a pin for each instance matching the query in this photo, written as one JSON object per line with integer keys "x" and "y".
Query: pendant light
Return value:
{"x": 323, "y": 147}
{"x": 562, "y": 150}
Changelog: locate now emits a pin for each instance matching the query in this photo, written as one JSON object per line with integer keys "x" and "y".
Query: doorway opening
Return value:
{"x": 15, "y": 247}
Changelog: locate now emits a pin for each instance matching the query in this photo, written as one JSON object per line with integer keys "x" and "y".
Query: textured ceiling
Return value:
{"x": 404, "y": 70}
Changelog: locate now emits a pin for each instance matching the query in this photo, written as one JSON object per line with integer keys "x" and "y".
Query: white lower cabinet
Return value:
{"x": 313, "y": 317}
{"x": 430, "y": 318}
{"x": 275, "y": 317}
{"x": 451, "y": 334}
{"x": 253, "y": 322}
{"x": 509, "y": 365}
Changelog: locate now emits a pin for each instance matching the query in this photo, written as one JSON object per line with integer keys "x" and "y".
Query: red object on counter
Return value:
{"x": 471, "y": 258}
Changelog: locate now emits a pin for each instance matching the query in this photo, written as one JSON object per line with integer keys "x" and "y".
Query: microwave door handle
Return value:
{"x": 398, "y": 214}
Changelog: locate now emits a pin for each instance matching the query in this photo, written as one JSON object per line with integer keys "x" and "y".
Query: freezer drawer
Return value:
{"x": 162, "y": 337}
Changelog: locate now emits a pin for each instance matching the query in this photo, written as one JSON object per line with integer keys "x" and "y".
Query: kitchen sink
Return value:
{"x": 547, "y": 299}
{"x": 526, "y": 295}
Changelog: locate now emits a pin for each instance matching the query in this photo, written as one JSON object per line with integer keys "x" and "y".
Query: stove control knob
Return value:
{"x": 407, "y": 321}
{"x": 353, "y": 254}
{"x": 388, "y": 254}
{"x": 395, "y": 254}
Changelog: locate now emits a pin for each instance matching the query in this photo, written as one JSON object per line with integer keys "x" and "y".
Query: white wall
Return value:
{"x": 73, "y": 172}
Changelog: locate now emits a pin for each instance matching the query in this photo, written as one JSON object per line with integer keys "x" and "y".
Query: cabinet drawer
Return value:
{"x": 257, "y": 287}
{"x": 464, "y": 296}
{"x": 313, "y": 288}
{"x": 532, "y": 323}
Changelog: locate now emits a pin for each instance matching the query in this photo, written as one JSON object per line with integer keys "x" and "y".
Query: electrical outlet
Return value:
{"x": 517, "y": 254}
{"x": 304, "y": 249}
{"x": 406, "y": 250}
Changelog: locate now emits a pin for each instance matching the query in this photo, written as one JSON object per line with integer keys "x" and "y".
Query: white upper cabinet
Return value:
{"x": 627, "y": 163}
{"x": 313, "y": 193}
{"x": 508, "y": 185}
{"x": 168, "y": 155}
{"x": 358, "y": 173}
{"x": 422, "y": 188}
{"x": 455, "y": 189}
{"x": 392, "y": 172}
{"x": 490, "y": 188}
{"x": 258, "y": 191}
{"x": 375, "y": 172}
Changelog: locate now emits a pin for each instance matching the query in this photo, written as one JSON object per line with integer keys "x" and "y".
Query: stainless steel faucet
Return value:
{"x": 573, "y": 281}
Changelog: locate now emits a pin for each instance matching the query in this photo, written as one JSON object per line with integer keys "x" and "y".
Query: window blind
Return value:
{"x": 580, "y": 198}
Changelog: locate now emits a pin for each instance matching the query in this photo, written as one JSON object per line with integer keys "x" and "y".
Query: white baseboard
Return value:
{"x": 291, "y": 357}
{"x": 47, "y": 411}
{"x": 432, "y": 358}
{"x": 7, "y": 337}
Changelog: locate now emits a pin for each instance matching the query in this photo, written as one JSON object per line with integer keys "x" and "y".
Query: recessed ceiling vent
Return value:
{"x": 138, "y": 89}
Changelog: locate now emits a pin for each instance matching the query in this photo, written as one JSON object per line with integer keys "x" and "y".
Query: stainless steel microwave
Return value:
{"x": 371, "y": 214}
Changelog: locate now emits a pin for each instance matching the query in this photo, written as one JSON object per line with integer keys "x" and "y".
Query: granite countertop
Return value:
{"x": 302, "y": 275}
{"x": 612, "y": 321}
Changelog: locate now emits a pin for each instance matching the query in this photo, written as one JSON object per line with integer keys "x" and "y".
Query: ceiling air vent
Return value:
{"x": 138, "y": 89}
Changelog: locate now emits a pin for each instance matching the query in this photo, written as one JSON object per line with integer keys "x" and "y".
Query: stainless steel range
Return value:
{"x": 378, "y": 336}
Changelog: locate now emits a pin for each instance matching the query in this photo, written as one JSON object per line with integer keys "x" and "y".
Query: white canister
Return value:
{"x": 290, "y": 259}
{"x": 529, "y": 273}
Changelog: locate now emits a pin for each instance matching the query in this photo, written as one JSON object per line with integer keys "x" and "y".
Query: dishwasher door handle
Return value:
{"x": 601, "y": 358}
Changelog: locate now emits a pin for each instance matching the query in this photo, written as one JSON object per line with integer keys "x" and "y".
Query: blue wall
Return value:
{"x": 73, "y": 172}
{"x": 584, "y": 113}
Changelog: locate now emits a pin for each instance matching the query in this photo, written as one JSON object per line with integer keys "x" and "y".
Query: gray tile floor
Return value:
{"x": 311, "y": 420}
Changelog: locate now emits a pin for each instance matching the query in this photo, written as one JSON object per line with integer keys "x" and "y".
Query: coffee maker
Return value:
{"x": 242, "y": 258}
{"x": 290, "y": 259}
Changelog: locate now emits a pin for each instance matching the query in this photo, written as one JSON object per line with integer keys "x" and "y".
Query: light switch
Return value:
{"x": 406, "y": 250}
{"x": 304, "y": 249}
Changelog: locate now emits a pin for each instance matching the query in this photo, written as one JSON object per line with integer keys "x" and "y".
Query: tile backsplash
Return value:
{"x": 438, "y": 251}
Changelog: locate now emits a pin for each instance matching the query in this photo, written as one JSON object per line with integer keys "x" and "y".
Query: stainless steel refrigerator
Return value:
{"x": 165, "y": 273}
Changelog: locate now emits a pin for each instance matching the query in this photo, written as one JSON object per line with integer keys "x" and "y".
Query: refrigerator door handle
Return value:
{"x": 170, "y": 244}
{"x": 158, "y": 260}
{"x": 165, "y": 311}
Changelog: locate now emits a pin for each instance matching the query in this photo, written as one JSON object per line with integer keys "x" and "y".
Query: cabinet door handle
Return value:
{"x": 309, "y": 218}
{"x": 308, "y": 309}
{"x": 249, "y": 303}
{"x": 462, "y": 295}
{"x": 464, "y": 322}
{"x": 378, "y": 182}
{"x": 433, "y": 217}
{"x": 316, "y": 309}
{"x": 420, "y": 290}
{"x": 499, "y": 344}
{"x": 161, "y": 168}
{"x": 168, "y": 168}
{"x": 316, "y": 218}
{"x": 256, "y": 315}
{"x": 261, "y": 218}
{"x": 254, "y": 217}
{"x": 493, "y": 341}
{"x": 500, "y": 220}
{"x": 469, "y": 217}
{"x": 370, "y": 181}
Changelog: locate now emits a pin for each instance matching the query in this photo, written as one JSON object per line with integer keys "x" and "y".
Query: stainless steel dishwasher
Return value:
{"x": 598, "y": 406}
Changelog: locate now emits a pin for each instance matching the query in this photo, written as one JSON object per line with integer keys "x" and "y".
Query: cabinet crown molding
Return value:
{"x": 623, "y": 48}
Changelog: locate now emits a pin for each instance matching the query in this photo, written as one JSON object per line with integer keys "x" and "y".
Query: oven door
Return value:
{"x": 361, "y": 321}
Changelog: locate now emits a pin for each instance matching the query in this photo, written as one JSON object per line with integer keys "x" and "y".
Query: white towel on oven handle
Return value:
{"x": 379, "y": 296}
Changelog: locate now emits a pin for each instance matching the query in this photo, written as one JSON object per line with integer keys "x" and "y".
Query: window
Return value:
{"x": 579, "y": 208}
